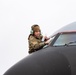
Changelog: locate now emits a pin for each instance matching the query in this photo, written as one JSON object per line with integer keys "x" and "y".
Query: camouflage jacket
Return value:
{"x": 35, "y": 44}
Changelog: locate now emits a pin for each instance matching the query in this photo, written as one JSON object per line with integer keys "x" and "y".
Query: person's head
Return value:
{"x": 35, "y": 30}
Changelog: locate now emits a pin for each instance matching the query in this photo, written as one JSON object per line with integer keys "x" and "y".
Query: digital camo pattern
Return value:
{"x": 35, "y": 44}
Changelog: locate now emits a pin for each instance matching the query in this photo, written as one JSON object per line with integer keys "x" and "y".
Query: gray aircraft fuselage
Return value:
{"x": 48, "y": 61}
{"x": 52, "y": 60}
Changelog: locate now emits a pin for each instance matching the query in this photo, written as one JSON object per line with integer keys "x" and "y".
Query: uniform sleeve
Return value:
{"x": 34, "y": 45}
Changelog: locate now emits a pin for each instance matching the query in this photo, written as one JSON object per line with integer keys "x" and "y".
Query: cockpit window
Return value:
{"x": 66, "y": 39}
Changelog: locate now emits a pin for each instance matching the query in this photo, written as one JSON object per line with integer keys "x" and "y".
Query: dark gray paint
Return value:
{"x": 48, "y": 61}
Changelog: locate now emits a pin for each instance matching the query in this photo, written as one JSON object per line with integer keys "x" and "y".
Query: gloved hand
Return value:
{"x": 46, "y": 38}
{"x": 47, "y": 42}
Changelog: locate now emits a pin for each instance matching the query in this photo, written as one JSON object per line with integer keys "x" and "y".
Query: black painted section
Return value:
{"x": 49, "y": 61}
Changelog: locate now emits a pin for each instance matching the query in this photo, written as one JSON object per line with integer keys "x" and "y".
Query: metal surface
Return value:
{"x": 52, "y": 60}
{"x": 49, "y": 61}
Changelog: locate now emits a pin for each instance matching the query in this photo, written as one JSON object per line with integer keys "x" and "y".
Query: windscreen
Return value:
{"x": 66, "y": 39}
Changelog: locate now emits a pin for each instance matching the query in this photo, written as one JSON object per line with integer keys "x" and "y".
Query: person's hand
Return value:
{"x": 46, "y": 38}
{"x": 47, "y": 42}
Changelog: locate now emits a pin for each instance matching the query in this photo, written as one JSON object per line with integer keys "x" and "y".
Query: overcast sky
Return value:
{"x": 16, "y": 19}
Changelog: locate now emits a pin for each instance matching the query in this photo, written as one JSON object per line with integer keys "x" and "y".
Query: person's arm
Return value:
{"x": 34, "y": 45}
{"x": 46, "y": 38}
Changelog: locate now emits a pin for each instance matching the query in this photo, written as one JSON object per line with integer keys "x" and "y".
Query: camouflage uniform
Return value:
{"x": 35, "y": 44}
